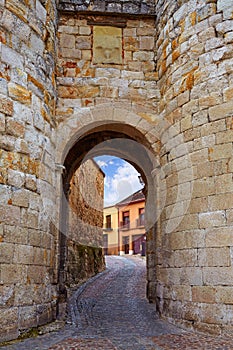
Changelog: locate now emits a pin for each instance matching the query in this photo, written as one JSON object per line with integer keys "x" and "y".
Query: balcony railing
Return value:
{"x": 138, "y": 223}
{"x": 107, "y": 227}
{"x": 124, "y": 226}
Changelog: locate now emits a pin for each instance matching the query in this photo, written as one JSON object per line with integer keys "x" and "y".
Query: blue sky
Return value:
{"x": 121, "y": 179}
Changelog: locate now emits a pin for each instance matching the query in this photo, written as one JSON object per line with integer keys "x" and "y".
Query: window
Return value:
{"x": 141, "y": 217}
{"x": 108, "y": 222}
{"x": 126, "y": 221}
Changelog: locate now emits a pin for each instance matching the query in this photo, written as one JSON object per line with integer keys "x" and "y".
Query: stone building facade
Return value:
{"x": 84, "y": 239}
{"x": 157, "y": 91}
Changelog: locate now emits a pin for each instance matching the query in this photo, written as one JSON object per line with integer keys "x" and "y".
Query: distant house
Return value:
{"x": 110, "y": 231}
{"x": 124, "y": 226}
{"x": 131, "y": 222}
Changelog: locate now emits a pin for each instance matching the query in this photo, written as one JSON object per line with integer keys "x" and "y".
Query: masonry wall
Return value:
{"x": 83, "y": 83}
{"x": 195, "y": 67}
{"x": 85, "y": 234}
{"x": 172, "y": 77}
{"x": 28, "y": 236}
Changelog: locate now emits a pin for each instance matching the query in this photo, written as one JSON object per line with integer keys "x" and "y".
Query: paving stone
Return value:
{"x": 111, "y": 312}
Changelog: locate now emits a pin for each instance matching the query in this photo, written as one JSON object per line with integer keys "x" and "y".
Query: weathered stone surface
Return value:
{"x": 143, "y": 7}
{"x": 107, "y": 45}
{"x": 179, "y": 65}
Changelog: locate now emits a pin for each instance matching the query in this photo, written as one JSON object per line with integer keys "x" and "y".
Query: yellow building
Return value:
{"x": 110, "y": 231}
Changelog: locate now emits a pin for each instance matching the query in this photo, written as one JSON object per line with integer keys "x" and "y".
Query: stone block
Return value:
{"x": 83, "y": 43}
{"x": 67, "y": 41}
{"x": 6, "y": 252}
{"x": 220, "y": 151}
{"x": 187, "y": 239}
{"x": 71, "y": 53}
{"x": 189, "y": 221}
{"x": 29, "y": 218}
{"x": 36, "y": 274}
{"x": 25, "y": 294}
{"x": 2, "y": 123}
{"x": 183, "y": 98}
{"x": 15, "y": 234}
{"x": 34, "y": 237}
{"x": 31, "y": 182}
{"x": 6, "y": 106}
{"x": 224, "y": 137}
{"x": 13, "y": 273}
{"x": 11, "y": 57}
{"x": 14, "y": 128}
{"x": 204, "y": 142}
{"x": 23, "y": 254}
{"x": 218, "y": 276}
{"x": 107, "y": 45}
{"x": 41, "y": 12}
{"x": 147, "y": 43}
{"x": 185, "y": 257}
{"x": 20, "y": 198}
{"x": 19, "y": 93}
{"x": 224, "y": 183}
{"x": 214, "y": 257}
{"x": 219, "y": 237}
{"x": 213, "y": 314}
{"x": 10, "y": 214}
{"x": 188, "y": 276}
{"x": 229, "y": 215}
{"x": 198, "y": 205}
{"x": 182, "y": 293}
{"x": 203, "y": 187}
{"x": 221, "y": 111}
{"x": 9, "y": 324}
{"x": 16, "y": 178}
{"x": 203, "y": 294}
{"x": 213, "y": 127}
{"x": 212, "y": 219}
{"x": 27, "y": 317}
{"x": 200, "y": 118}
{"x": 224, "y": 294}
{"x": 223, "y": 5}
{"x": 143, "y": 56}
{"x": 209, "y": 101}
{"x": 44, "y": 314}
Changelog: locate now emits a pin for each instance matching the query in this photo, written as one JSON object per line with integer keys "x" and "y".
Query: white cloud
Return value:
{"x": 101, "y": 163}
{"x": 123, "y": 183}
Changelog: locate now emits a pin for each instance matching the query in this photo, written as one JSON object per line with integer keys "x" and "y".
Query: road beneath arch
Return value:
{"x": 111, "y": 312}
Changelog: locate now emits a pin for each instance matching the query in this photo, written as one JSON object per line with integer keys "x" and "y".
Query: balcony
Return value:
{"x": 140, "y": 222}
{"x": 124, "y": 226}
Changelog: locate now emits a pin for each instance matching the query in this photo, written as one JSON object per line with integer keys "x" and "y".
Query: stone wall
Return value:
{"x": 84, "y": 83}
{"x": 85, "y": 234}
{"x": 28, "y": 238}
{"x": 195, "y": 67}
{"x": 166, "y": 81}
{"x": 144, "y": 7}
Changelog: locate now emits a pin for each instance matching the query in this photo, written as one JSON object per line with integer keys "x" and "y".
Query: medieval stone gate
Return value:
{"x": 152, "y": 81}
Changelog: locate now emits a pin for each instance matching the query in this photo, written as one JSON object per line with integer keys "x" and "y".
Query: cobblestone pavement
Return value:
{"x": 111, "y": 312}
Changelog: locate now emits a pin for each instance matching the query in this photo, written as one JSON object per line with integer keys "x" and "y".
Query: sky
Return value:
{"x": 121, "y": 179}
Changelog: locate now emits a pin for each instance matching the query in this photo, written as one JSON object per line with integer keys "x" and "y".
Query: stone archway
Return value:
{"x": 84, "y": 134}
{"x": 102, "y": 135}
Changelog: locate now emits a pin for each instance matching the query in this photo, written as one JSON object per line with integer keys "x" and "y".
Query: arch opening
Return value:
{"x": 117, "y": 140}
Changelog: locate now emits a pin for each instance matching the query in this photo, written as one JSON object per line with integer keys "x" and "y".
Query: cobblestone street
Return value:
{"x": 111, "y": 312}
